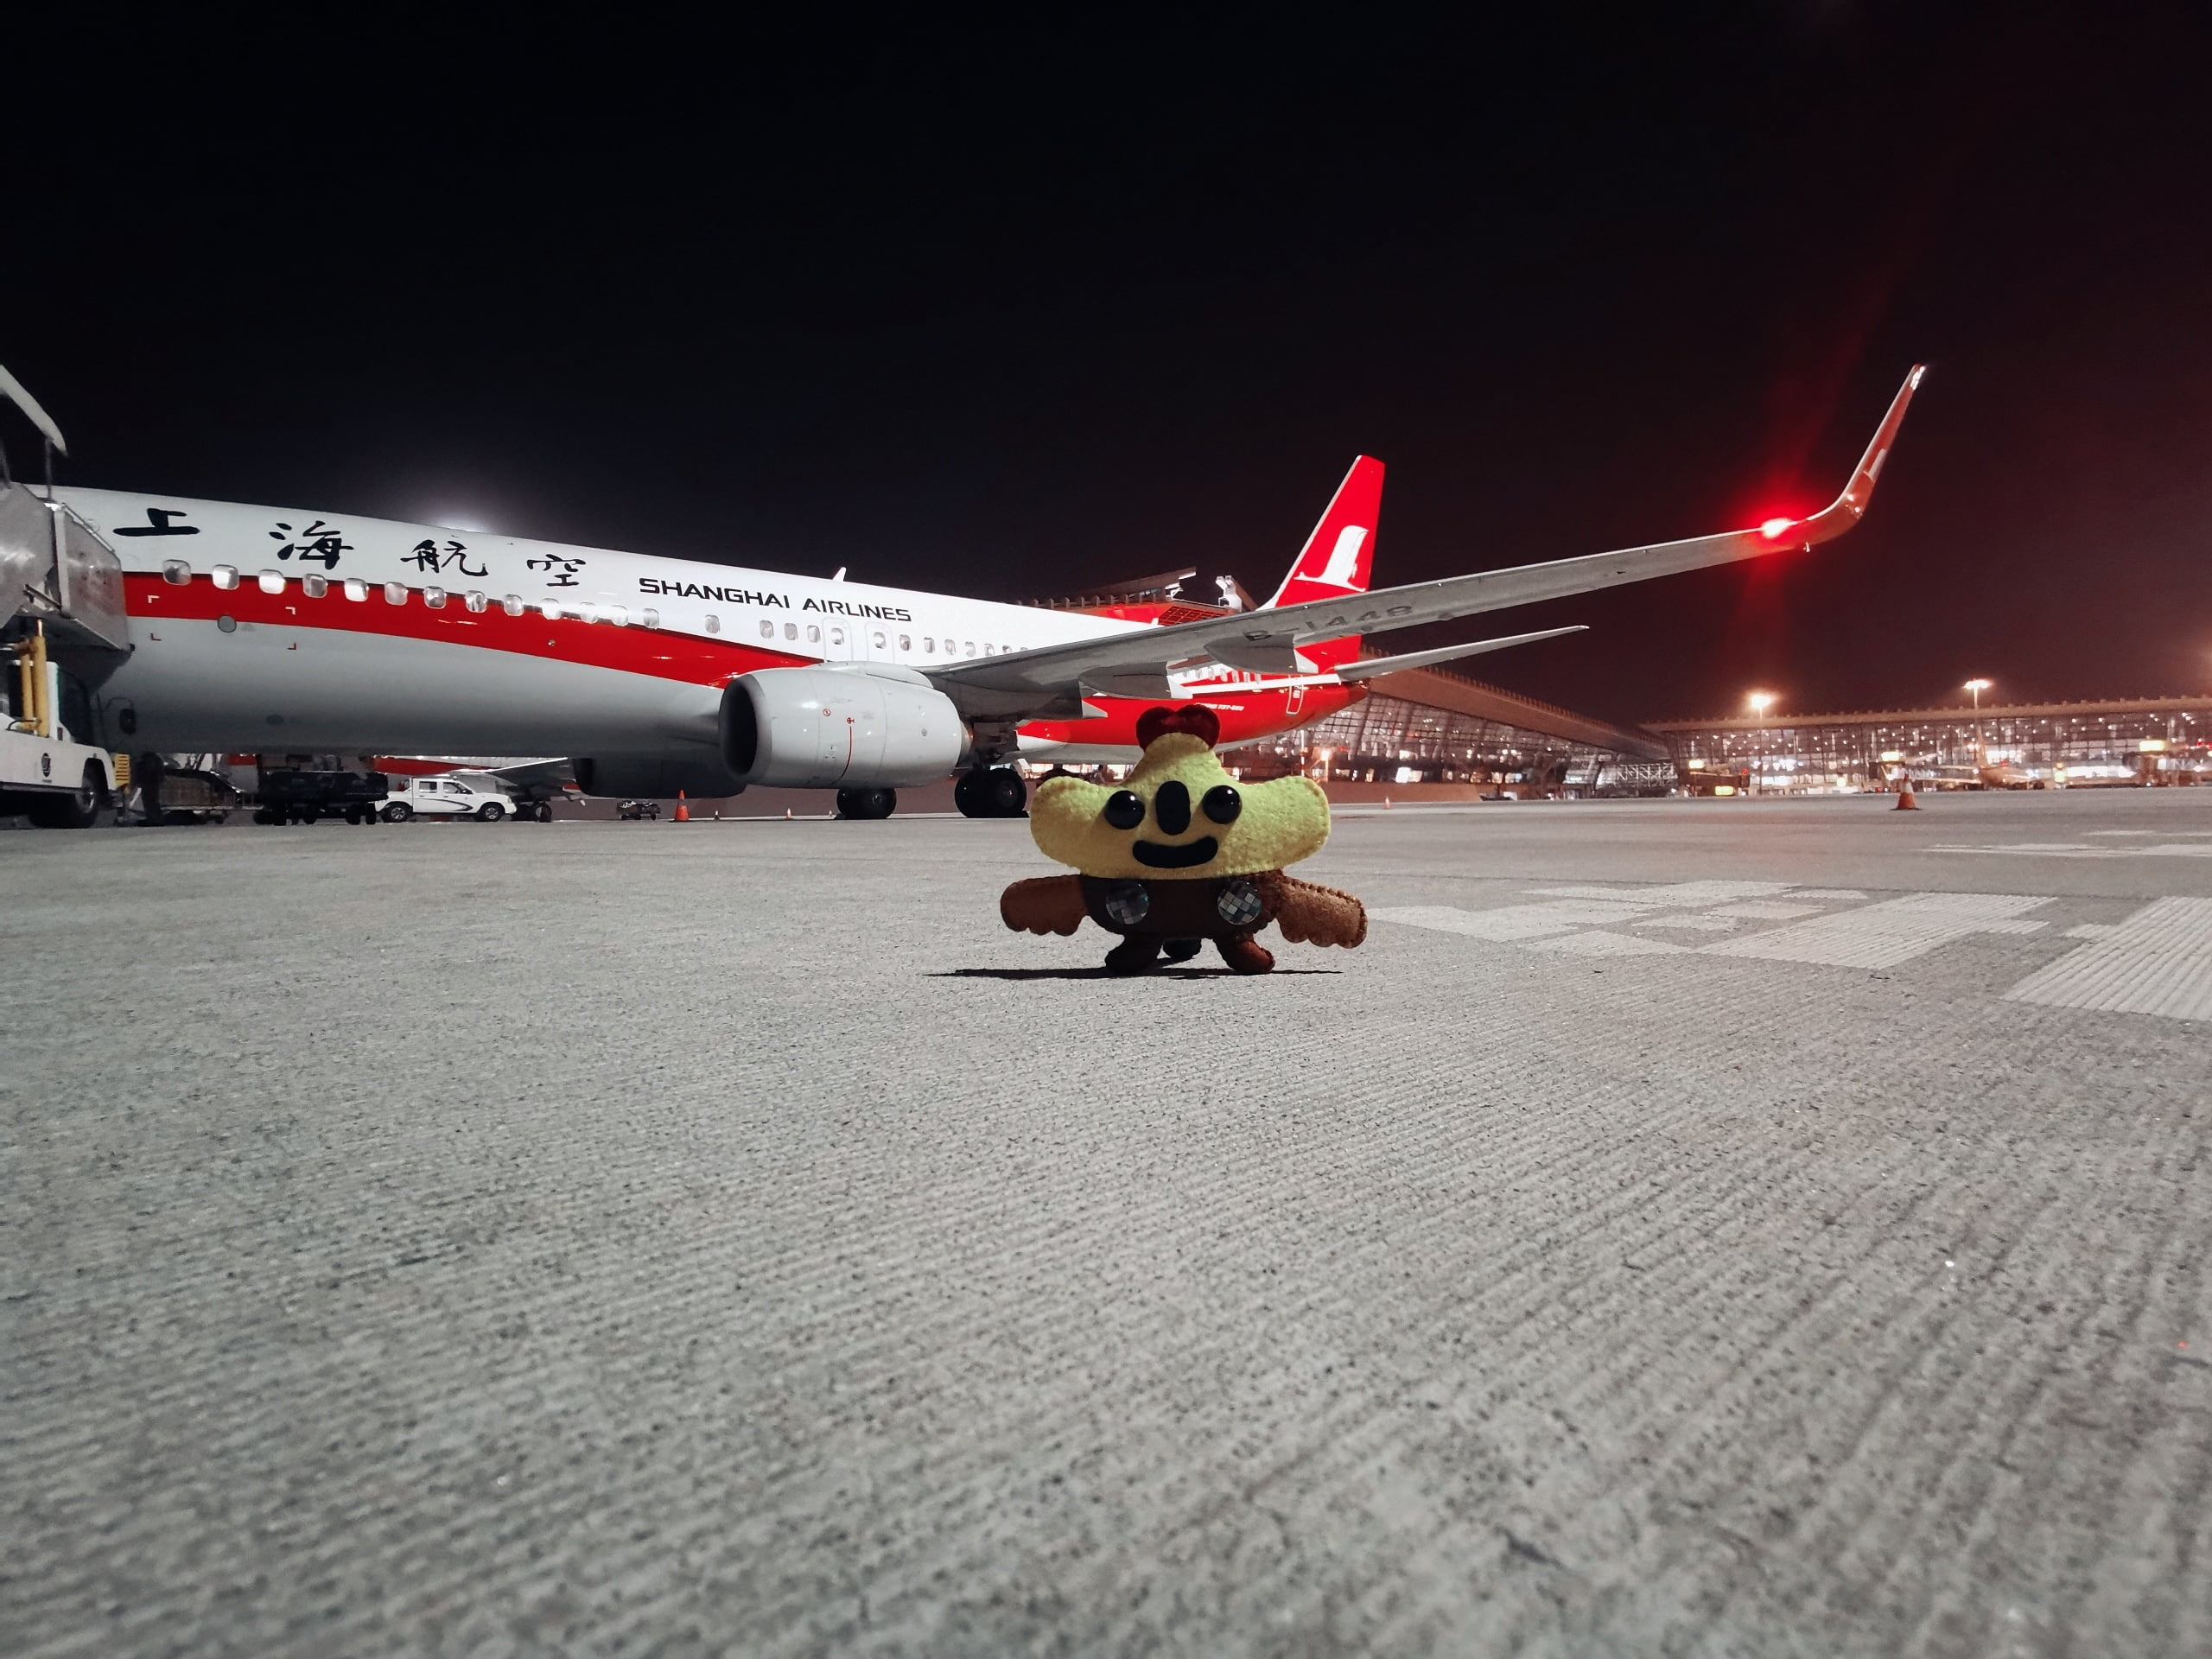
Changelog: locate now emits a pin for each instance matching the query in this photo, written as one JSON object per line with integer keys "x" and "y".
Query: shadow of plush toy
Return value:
{"x": 1181, "y": 853}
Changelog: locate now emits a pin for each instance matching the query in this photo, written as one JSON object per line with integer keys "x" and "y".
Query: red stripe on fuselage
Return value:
{"x": 1247, "y": 712}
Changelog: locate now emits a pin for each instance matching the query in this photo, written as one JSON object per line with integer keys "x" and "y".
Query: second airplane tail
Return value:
{"x": 1337, "y": 556}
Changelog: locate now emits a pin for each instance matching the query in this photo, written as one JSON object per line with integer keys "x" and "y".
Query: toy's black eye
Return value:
{"x": 1221, "y": 803}
{"x": 1123, "y": 809}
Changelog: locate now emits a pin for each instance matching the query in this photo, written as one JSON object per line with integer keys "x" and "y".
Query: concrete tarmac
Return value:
{"x": 1714, "y": 1228}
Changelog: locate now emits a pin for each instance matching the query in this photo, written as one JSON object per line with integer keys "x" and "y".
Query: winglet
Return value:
{"x": 1846, "y": 510}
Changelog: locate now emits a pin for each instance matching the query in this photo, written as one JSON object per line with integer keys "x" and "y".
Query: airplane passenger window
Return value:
{"x": 395, "y": 593}
{"x": 619, "y": 615}
{"x": 836, "y": 636}
{"x": 767, "y": 629}
{"x": 971, "y": 647}
{"x": 648, "y": 619}
{"x": 271, "y": 582}
{"x": 511, "y": 604}
{"x": 929, "y": 643}
{"x": 813, "y": 634}
{"x": 879, "y": 642}
{"x": 905, "y": 643}
{"x": 476, "y": 601}
{"x": 714, "y": 625}
{"x": 435, "y": 598}
{"x": 356, "y": 589}
{"x": 315, "y": 587}
{"x": 790, "y": 630}
{"x": 226, "y": 577}
{"x": 176, "y": 572}
{"x": 987, "y": 648}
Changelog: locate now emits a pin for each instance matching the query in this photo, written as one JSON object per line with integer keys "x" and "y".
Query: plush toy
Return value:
{"x": 1181, "y": 853}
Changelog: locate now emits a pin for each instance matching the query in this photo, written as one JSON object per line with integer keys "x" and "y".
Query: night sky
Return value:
{"x": 1011, "y": 310}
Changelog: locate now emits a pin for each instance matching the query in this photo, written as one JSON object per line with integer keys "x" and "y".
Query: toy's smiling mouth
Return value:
{"x": 1175, "y": 858}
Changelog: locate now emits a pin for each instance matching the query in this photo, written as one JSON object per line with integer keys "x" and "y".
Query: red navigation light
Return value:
{"x": 1774, "y": 529}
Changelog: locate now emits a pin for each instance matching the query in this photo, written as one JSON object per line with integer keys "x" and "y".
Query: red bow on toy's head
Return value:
{"x": 1192, "y": 717}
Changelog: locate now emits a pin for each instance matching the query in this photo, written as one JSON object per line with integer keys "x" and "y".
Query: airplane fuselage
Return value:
{"x": 265, "y": 628}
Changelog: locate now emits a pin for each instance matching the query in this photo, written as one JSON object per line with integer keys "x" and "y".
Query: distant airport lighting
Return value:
{"x": 2151, "y": 746}
{"x": 1774, "y": 529}
{"x": 1760, "y": 702}
{"x": 1890, "y": 757}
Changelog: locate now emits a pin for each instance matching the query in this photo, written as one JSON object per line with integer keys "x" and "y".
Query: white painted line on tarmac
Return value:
{"x": 2079, "y": 850}
{"x": 1672, "y": 895}
{"x": 1883, "y": 935}
{"x": 2158, "y": 960}
{"x": 1511, "y": 921}
{"x": 1714, "y": 924}
{"x": 1767, "y": 911}
{"x": 1608, "y": 944}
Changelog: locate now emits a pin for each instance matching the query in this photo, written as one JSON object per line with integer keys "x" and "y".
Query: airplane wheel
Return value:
{"x": 991, "y": 792}
{"x": 398, "y": 812}
{"x": 867, "y": 802}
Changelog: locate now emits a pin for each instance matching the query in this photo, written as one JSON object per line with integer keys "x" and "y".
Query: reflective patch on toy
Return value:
{"x": 1238, "y": 903}
{"x": 1126, "y": 903}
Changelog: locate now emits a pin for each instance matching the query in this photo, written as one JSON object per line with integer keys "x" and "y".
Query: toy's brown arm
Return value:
{"x": 1308, "y": 914}
{"x": 1044, "y": 904}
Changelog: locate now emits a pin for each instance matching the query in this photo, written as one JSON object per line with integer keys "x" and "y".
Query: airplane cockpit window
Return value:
{"x": 176, "y": 572}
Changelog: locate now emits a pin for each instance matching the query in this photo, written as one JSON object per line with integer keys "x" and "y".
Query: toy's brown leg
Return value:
{"x": 1248, "y": 956}
{"x": 1132, "y": 955}
{"x": 1181, "y": 950}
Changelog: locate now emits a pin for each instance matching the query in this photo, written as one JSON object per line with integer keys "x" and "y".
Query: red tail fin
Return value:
{"x": 1341, "y": 547}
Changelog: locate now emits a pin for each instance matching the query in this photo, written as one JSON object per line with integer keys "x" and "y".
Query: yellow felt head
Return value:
{"x": 1280, "y": 821}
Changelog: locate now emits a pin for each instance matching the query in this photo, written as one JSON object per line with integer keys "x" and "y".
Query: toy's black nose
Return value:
{"x": 1171, "y": 809}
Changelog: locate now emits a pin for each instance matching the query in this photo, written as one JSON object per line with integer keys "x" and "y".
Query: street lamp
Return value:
{"x": 1760, "y": 702}
{"x": 1980, "y": 755}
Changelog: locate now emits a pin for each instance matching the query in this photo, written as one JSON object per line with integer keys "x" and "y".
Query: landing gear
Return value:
{"x": 867, "y": 802}
{"x": 991, "y": 792}
{"x": 543, "y": 812}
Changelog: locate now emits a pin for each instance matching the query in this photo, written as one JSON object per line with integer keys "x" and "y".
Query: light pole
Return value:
{"x": 1760, "y": 702}
{"x": 1980, "y": 755}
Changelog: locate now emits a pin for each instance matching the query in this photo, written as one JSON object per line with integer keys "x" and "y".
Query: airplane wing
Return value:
{"x": 1053, "y": 681}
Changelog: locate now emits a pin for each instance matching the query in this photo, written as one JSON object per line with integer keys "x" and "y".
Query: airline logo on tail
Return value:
{"x": 1341, "y": 547}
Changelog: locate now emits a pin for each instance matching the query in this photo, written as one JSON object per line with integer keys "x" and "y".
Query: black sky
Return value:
{"x": 1009, "y": 308}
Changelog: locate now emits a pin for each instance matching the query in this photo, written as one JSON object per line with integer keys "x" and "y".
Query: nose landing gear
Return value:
{"x": 991, "y": 792}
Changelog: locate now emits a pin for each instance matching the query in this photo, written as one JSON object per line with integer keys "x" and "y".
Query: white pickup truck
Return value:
{"x": 445, "y": 797}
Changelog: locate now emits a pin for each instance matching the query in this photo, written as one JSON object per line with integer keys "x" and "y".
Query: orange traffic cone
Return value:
{"x": 1905, "y": 802}
{"x": 683, "y": 811}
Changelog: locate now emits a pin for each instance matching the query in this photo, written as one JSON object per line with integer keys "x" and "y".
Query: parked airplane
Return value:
{"x": 276, "y": 629}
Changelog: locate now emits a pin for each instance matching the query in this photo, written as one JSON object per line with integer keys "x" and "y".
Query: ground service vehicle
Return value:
{"x": 296, "y": 795}
{"x": 442, "y": 797}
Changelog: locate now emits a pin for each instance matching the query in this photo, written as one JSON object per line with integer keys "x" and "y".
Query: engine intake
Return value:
{"x": 826, "y": 727}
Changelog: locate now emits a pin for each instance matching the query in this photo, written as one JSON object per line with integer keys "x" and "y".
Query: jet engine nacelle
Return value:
{"x": 851, "y": 728}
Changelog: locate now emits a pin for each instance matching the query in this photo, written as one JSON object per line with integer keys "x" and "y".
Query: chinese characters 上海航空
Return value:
{"x": 430, "y": 558}
{"x": 561, "y": 572}
{"x": 316, "y": 544}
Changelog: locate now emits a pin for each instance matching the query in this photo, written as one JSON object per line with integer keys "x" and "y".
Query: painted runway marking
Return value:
{"x": 2081, "y": 849}
{"x": 2158, "y": 960}
{"x": 1884, "y": 934}
{"x": 1769, "y": 911}
{"x": 1512, "y": 922}
{"x": 1675, "y": 895}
